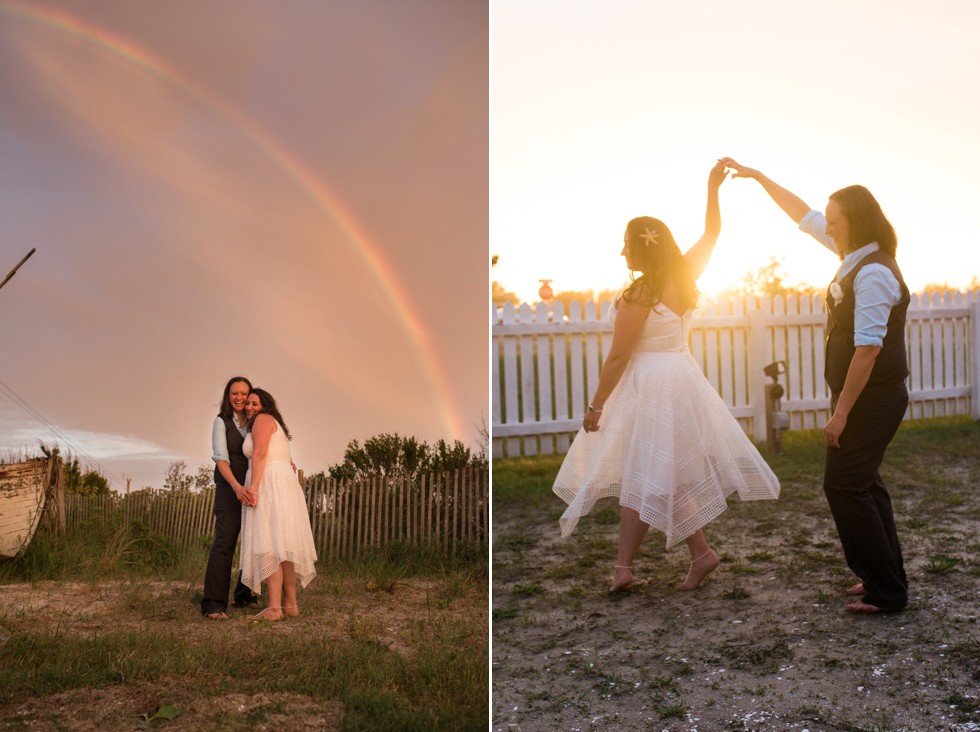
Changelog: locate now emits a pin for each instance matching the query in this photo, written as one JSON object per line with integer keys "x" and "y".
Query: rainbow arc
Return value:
{"x": 326, "y": 200}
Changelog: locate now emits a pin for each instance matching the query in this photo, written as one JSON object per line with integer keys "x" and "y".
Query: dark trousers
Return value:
{"x": 217, "y": 577}
{"x": 858, "y": 497}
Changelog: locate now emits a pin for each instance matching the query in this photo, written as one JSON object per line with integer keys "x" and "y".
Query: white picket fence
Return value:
{"x": 545, "y": 363}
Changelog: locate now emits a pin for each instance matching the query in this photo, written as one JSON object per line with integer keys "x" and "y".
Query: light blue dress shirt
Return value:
{"x": 876, "y": 290}
{"x": 219, "y": 439}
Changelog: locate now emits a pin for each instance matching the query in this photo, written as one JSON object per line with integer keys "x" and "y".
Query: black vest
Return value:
{"x": 891, "y": 365}
{"x": 236, "y": 458}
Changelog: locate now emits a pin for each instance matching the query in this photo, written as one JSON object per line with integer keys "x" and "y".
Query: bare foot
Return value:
{"x": 216, "y": 615}
{"x": 700, "y": 568}
{"x": 866, "y": 608}
{"x": 622, "y": 579}
{"x": 271, "y": 614}
{"x": 291, "y": 611}
{"x": 863, "y": 607}
{"x": 855, "y": 590}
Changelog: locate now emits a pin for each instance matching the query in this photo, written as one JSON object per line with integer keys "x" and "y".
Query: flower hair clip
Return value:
{"x": 649, "y": 237}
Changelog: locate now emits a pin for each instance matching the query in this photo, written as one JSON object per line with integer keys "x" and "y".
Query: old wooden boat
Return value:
{"x": 26, "y": 489}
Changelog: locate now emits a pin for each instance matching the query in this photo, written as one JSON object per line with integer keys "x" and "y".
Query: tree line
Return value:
{"x": 768, "y": 280}
{"x": 387, "y": 455}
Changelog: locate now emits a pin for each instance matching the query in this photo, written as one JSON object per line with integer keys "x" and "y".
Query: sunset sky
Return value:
{"x": 606, "y": 111}
{"x": 294, "y": 191}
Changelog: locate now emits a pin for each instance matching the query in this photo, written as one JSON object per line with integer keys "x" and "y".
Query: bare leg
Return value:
{"x": 273, "y": 610}
{"x": 632, "y": 529}
{"x": 289, "y": 605}
{"x": 703, "y": 561}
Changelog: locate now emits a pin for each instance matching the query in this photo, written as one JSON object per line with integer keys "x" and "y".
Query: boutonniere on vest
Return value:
{"x": 836, "y": 292}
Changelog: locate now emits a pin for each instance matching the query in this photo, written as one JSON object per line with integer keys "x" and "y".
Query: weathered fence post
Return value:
{"x": 54, "y": 511}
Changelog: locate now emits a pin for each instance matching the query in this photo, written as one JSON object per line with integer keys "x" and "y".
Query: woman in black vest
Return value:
{"x": 865, "y": 368}
{"x": 227, "y": 436}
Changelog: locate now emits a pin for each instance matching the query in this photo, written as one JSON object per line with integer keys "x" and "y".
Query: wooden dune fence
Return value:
{"x": 444, "y": 510}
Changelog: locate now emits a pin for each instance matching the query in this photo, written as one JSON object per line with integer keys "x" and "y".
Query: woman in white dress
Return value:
{"x": 277, "y": 541}
{"x": 656, "y": 434}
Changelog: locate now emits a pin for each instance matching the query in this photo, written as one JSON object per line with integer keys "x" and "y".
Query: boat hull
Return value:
{"x": 23, "y": 493}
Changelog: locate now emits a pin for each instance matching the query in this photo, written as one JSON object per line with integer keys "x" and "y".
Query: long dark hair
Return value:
{"x": 865, "y": 219}
{"x": 226, "y": 411}
{"x": 659, "y": 261}
{"x": 268, "y": 407}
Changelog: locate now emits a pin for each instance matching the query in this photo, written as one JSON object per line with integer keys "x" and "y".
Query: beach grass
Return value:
{"x": 102, "y": 627}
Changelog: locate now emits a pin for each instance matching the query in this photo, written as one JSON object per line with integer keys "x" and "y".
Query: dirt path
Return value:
{"x": 765, "y": 644}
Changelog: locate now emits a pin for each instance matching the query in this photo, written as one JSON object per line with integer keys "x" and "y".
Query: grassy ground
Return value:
{"x": 102, "y": 631}
{"x": 764, "y": 644}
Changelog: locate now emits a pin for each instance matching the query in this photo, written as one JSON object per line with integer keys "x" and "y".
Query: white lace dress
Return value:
{"x": 667, "y": 446}
{"x": 278, "y": 528}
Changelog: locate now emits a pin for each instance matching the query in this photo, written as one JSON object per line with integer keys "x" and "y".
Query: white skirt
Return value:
{"x": 277, "y": 529}
{"x": 667, "y": 447}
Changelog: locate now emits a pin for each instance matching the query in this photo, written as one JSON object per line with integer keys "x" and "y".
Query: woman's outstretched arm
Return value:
{"x": 794, "y": 206}
{"x": 698, "y": 256}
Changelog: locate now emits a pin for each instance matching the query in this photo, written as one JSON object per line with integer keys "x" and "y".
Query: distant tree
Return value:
{"x": 204, "y": 478}
{"x": 87, "y": 483}
{"x": 447, "y": 458}
{"x": 769, "y": 280}
{"x": 177, "y": 478}
{"x": 943, "y": 288}
{"x": 391, "y": 455}
{"x": 94, "y": 484}
{"x": 499, "y": 295}
{"x": 77, "y": 481}
{"x": 567, "y": 297}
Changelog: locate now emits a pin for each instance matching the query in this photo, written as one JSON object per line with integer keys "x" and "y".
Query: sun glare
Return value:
{"x": 601, "y": 129}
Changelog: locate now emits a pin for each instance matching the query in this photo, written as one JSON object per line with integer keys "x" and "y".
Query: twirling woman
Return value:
{"x": 656, "y": 435}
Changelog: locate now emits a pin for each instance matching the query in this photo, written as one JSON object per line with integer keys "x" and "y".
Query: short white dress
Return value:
{"x": 667, "y": 446}
{"x": 278, "y": 528}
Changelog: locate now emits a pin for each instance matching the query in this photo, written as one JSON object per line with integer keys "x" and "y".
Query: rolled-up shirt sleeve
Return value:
{"x": 219, "y": 441}
{"x": 815, "y": 224}
{"x": 876, "y": 292}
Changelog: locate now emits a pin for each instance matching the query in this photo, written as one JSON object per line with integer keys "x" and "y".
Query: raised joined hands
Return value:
{"x": 717, "y": 175}
{"x": 738, "y": 170}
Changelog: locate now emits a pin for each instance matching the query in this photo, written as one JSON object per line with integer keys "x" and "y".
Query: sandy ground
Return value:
{"x": 391, "y": 618}
{"x": 764, "y": 644}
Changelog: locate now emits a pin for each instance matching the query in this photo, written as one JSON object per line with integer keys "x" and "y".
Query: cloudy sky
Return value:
{"x": 294, "y": 191}
{"x": 606, "y": 111}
